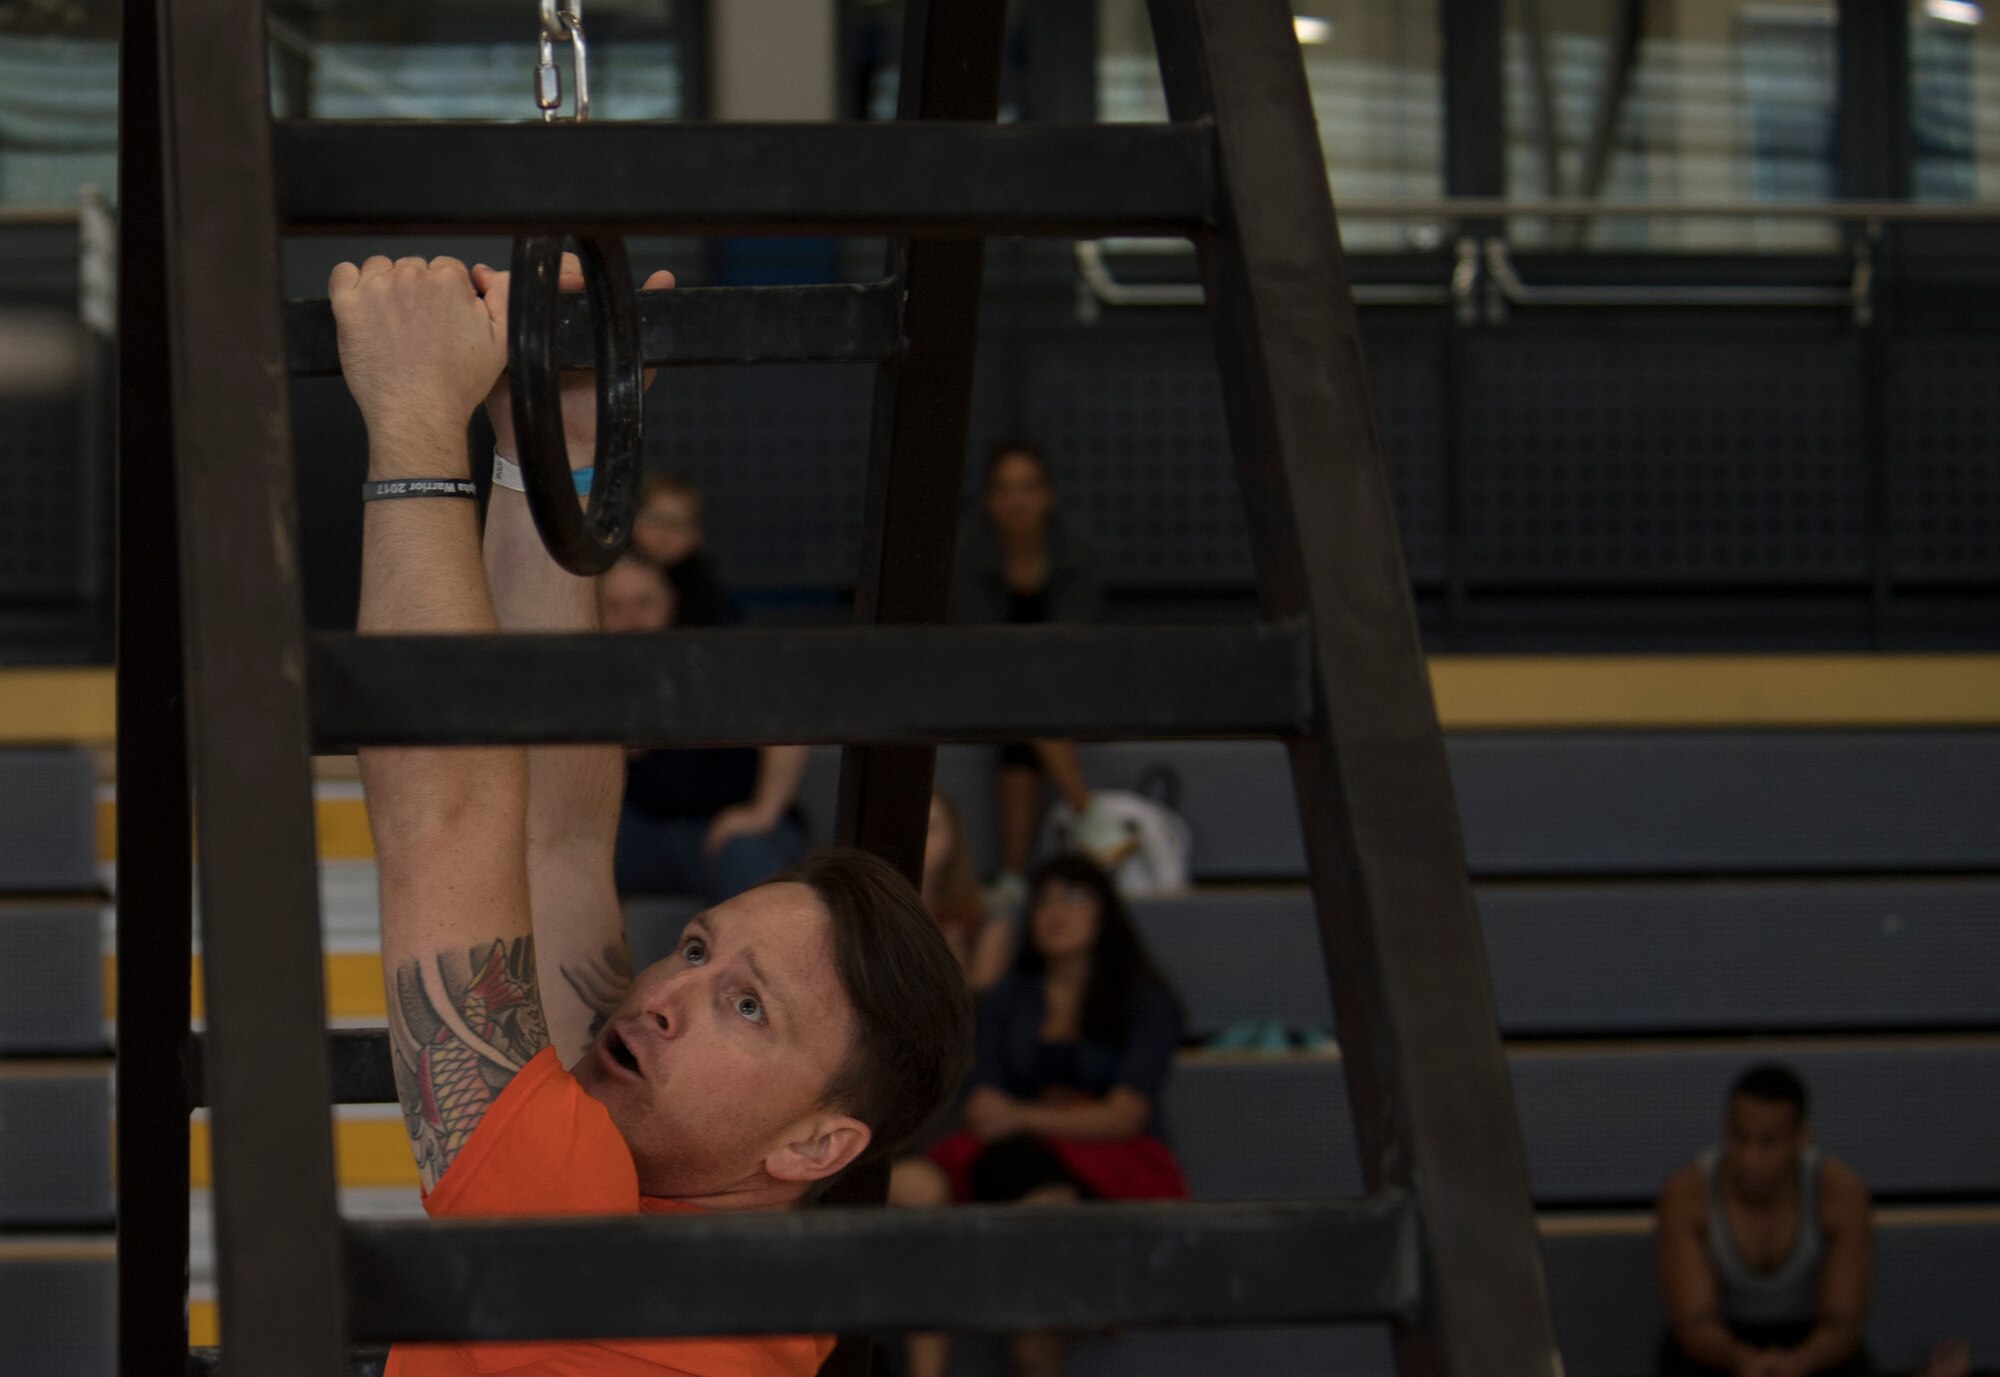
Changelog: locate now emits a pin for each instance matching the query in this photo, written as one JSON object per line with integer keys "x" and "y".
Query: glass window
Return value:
{"x": 1375, "y": 75}
{"x": 58, "y": 104}
{"x": 1716, "y": 101}
{"x": 444, "y": 61}
{"x": 1955, "y": 100}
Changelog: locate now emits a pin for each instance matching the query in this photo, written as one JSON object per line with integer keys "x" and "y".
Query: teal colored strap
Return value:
{"x": 582, "y": 477}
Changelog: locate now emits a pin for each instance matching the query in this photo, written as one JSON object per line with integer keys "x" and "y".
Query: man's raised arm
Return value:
{"x": 573, "y": 791}
{"x": 420, "y": 350}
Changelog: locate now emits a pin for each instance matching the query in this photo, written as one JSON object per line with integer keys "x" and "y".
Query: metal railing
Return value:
{"x": 1485, "y": 281}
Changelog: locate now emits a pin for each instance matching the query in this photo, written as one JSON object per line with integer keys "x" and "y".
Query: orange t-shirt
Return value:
{"x": 547, "y": 1148}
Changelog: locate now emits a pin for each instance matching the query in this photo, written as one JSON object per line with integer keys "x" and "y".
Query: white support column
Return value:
{"x": 773, "y": 59}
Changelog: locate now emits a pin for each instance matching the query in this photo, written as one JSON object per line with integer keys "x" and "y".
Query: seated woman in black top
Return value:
{"x": 1074, "y": 1048}
{"x": 1022, "y": 562}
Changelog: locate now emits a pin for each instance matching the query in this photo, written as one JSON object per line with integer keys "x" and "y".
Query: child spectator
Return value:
{"x": 667, "y": 531}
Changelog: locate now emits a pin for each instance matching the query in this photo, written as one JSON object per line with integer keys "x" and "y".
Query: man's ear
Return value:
{"x": 821, "y": 1146}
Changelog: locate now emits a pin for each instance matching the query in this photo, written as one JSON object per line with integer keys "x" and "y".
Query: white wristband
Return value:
{"x": 507, "y": 473}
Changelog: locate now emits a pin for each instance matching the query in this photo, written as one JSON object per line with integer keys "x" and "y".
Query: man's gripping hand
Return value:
{"x": 579, "y": 389}
{"x": 420, "y": 350}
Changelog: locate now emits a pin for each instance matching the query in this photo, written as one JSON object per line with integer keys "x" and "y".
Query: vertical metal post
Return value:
{"x": 916, "y": 468}
{"x": 281, "y": 1283}
{"x": 155, "y": 848}
{"x": 1475, "y": 164}
{"x": 1433, "y": 1107}
{"x": 1613, "y": 86}
{"x": 923, "y": 404}
{"x": 1877, "y": 161}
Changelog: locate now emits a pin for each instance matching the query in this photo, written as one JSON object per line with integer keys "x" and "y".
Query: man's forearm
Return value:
{"x": 420, "y": 573}
{"x": 573, "y": 796}
{"x": 573, "y": 791}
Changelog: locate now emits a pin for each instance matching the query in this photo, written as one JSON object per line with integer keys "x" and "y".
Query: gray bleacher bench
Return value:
{"x": 1583, "y": 803}
{"x": 1630, "y": 957}
{"x": 49, "y": 845}
{"x": 55, "y": 1143}
{"x": 1606, "y": 1123}
{"x": 51, "y": 976}
{"x": 58, "y": 1307}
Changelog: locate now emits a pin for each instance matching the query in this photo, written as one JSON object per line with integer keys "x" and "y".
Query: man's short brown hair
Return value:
{"x": 912, "y": 1012}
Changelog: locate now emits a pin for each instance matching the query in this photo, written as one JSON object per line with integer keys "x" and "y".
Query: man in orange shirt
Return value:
{"x": 800, "y": 1026}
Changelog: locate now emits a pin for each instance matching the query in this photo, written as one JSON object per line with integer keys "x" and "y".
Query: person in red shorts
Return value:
{"x": 1075, "y": 1047}
{"x": 804, "y": 1025}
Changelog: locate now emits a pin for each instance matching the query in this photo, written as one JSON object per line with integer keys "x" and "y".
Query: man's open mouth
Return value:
{"x": 622, "y": 1054}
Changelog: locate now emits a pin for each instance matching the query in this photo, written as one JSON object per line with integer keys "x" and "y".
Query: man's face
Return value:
{"x": 1761, "y": 1143}
{"x": 631, "y": 597}
{"x": 720, "y": 1055}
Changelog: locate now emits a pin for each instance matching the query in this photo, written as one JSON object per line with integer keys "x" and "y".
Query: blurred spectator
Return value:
{"x": 983, "y": 943}
{"x": 711, "y": 822}
{"x": 1075, "y": 1046}
{"x": 1948, "y": 1358}
{"x": 1765, "y": 1246}
{"x": 1023, "y": 563}
{"x": 668, "y": 532}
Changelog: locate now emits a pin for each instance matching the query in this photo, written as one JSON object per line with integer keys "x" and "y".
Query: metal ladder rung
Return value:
{"x": 365, "y": 1362}
{"x": 927, "y": 177}
{"x": 980, "y": 1267}
{"x": 837, "y": 323}
{"x": 852, "y": 685}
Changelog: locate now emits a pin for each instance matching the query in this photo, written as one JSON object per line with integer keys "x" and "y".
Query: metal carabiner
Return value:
{"x": 562, "y": 22}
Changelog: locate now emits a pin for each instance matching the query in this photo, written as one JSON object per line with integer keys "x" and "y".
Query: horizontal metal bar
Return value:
{"x": 1495, "y": 259}
{"x": 359, "y": 1057}
{"x": 1580, "y": 208}
{"x": 1500, "y": 268}
{"x": 367, "y": 1362}
{"x": 846, "y": 685}
{"x": 39, "y": 217}
{"x": 930, "y": 178}
{"x": 1105, "y": 286}
{"x": 838, "y": 323}
{"x": 844, "y": 1269}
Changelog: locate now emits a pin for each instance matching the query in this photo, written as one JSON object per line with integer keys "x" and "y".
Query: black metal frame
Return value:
{"x": 834, "y": 323}
{"x": 1444, "y": 1247}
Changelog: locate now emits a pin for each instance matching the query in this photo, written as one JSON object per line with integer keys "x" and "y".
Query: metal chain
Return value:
{"x": 562, "y": 22}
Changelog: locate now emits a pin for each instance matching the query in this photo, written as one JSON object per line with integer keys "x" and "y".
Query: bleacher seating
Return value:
{"x": 56, "y": 1301}
{"x": 1651, "y": 929}
{"x": 1606, "y": 1122}
{"x": 1584, "y": 803}
{"x": 1628, "y": 956}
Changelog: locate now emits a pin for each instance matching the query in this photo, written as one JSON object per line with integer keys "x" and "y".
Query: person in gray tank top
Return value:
{"x": 1765, "y": 1247}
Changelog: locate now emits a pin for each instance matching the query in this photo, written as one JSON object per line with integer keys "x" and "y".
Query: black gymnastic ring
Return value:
{"x": 589, "y": 539}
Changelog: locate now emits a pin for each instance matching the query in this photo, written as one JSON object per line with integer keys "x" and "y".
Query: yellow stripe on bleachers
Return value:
{"x": 1604, "y": 692}
{"x": 1474, "y": 692}
{"x": 353, "y": 987}
{"x": 204, "y": 1329}
{"x": 367, "y": 1153}
{"x": 57, "y": 706}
